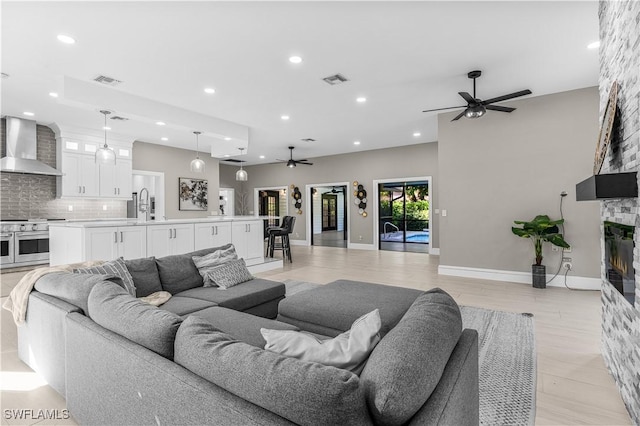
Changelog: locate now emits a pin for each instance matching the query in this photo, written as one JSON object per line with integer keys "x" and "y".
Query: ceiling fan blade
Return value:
{"x": 506, "y": 97}
{"x": 299, "y": 161}
{"x": 467, "y": 97}
{"x": 459, "y": 115}
{"x": 440, "y": 109}
{"x": 277, "y": 159}
{"x": 500, "y": 108}
{"x": 306, "y": 164}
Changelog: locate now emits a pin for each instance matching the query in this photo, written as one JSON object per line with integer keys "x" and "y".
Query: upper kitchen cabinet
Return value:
{"x": 82, "y": 176}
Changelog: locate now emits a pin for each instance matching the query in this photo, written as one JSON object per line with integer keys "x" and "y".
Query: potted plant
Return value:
{"x": 540, "y": 229}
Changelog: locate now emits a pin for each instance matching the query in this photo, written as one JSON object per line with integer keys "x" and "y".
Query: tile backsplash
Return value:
{"x": 24, "y": 196}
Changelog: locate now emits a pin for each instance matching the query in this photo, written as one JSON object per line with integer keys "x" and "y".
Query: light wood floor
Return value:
{"x": 574, "y": 386}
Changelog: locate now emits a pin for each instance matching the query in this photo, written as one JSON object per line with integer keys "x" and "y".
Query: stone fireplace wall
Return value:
{"x": 620, "y": 60}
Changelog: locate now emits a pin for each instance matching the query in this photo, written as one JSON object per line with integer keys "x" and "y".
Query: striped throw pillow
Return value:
{"x": 115, "y": 267}
{"x": 212, "y": 260}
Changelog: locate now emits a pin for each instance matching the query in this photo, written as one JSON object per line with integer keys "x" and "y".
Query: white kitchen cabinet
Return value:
{"x": 81, "y": 175}
{"x": 248, "y": 239}
{"x": 165, "y": 240}
{"x": 208, "y": 235}
{"x": 115, "y": 179}
{"x": 108, "y": 243}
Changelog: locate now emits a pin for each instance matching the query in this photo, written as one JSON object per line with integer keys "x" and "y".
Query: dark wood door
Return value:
{"x": 269, "y": 206}
{"x": 329, "y": 212}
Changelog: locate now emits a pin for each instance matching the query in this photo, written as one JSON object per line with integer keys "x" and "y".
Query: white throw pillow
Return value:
{"x": 212, "y": 260}
{"x": 348, "y": 350}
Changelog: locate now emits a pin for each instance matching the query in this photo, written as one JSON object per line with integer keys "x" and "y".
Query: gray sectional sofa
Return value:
{"x": 199, "y": 358}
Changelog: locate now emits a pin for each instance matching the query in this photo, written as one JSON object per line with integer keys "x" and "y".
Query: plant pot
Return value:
{"x": 539, "y": 276}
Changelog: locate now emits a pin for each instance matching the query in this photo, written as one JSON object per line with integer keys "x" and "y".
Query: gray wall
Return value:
{"x": 175, "y": 163}
{"x": 505, "y": 167}
{"x": 364, "y": 167}
{"x": 620, "y": 60}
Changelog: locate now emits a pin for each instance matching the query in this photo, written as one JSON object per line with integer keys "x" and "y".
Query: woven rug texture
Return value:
{"x": 507, "y": 361}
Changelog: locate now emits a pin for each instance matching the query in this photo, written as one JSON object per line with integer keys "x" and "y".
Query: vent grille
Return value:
{"x": 233, "y": 160}
{"x": 335, "y": 79}
{"x": 119, "y": 118}
{"x": 109, "y": 81}
{"x": 308, "y": 140}
{"x": 5, "y": 75}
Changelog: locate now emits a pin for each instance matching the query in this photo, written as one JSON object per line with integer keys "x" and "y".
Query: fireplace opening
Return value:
{"x": 618, "y": 245}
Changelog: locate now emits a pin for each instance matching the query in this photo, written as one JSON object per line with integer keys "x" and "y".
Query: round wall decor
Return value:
{"x": 297, "y": 198}
{"x": 360, "y": 198}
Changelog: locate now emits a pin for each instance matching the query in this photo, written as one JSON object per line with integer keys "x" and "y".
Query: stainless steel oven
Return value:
{"x": 24, "y": 243}
{"x": 31, "y": 246}
{"x": 6, "y": 248}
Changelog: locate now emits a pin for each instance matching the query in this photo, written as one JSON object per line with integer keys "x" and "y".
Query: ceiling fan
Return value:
{"x": 475, "y": 107}
{"x": 291, "y": 162}
{"x": 334, "y": 191}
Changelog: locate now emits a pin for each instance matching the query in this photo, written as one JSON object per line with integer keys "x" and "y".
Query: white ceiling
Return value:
{"x": 404, "y": 57}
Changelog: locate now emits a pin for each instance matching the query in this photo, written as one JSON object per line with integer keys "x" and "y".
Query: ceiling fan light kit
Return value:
{"x": 476, "y": 107}
{"x": 291, "y": 163}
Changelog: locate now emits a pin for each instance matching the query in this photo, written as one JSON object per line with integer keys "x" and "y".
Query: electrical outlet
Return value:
{"x": 567, "y": 250}
{"x": 567, "y": 265}
{"x": 566, "y": 259}
{"x": 555, "y": 248}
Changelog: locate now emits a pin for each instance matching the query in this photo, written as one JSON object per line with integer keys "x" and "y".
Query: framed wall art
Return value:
{"x": 604, "y": 139}
{"x": 193, "y": 194}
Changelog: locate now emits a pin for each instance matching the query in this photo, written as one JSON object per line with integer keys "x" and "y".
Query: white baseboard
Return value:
{"x": 358, "y": 246}
{"x": 299, "y": 242}
{"x": 434, "y": 251}
{"x": 267, "y": 265}
{"x": 583, "y": 283}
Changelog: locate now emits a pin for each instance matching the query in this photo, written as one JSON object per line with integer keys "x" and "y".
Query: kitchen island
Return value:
{"x": 79, "y": 241}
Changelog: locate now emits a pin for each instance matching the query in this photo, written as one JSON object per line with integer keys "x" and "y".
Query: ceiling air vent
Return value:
{"x": 335, "y": 79}
{"x": 308, "y": 140}
{"x": 109, "y": 81}
{"x": 233, "y": 160}
{"x": 118, "y": 118}
{"x": 4, "y": 75}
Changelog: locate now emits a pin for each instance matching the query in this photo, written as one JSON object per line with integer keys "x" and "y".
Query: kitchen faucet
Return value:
{"x": 143, "y": 204}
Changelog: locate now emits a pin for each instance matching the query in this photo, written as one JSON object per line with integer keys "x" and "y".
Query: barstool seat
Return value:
{"x": 282, "y": 232}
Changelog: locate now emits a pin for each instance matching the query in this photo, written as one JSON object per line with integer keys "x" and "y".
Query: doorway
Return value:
{"x": 403, "y": 216}
{"x": 271, "y": 202}
{"x": 329, "y": 215}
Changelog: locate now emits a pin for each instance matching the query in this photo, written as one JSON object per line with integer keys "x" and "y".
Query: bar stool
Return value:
{"x": 282, "y": 232}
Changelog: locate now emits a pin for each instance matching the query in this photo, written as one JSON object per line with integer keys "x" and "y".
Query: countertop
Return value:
{"x": 136, "y": 222}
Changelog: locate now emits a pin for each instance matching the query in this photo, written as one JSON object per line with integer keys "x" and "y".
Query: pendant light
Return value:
{"x": 105, "y": 155}
{"x": 241, "y": 175}
{"x": 197, "y": 165}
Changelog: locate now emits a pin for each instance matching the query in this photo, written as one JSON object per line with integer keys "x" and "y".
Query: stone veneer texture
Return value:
{"x": 24, "y": 196}
{"x": 620, "y": 60}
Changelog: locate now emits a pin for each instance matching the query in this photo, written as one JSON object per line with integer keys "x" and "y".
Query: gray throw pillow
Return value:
{"x": 145, "y": 275}
{"x": 212, "y": 260}
{"x": 305, "y": 393}
{"x": 115, "y": 267}
{"x": 229, "y": 274}
{"x": 114, "y": 309}
{"x": 406, "y": 366}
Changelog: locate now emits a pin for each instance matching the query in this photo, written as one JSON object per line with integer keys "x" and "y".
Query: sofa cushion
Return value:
{"x": 115, "y": 267}
{"x": 240, "y": 297}
{"x": 241, "y": 326}
{"x": 229, "y": 274}
{"x": 405, "y": 367}
{"x": 348, "y": 350}
{"x": 212, "y": 260}
{"x": 72, "y": 288}
{"x": 179, "y": 273}
{"x": 186, "y": 305}
{"x": 302, "y": 392}
{"x": 145, "y": 275}
{"x": 114, "y": 309}
{"x": 332, "y": 308}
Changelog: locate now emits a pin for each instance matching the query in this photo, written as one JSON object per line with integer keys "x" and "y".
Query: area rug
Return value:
{"x": 507, "y": 361}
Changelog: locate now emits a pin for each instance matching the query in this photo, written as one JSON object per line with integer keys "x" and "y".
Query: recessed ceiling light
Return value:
{"x": 53, "y": 94}
{"x": 416, "y": 134}
{"x": 594, "y": 45}
{"x": 164, "y": 139}
{"x": 66, "y": 39}
{"x": 356, "y": 143}
{"x": 160, "y": 123}
{"x": 361, "y": 99}
{"x": 227, "y": 139}
{"x": 227, "y": 156}
{"x": 262, "y": 157}
{"x": 295, "y": 59}
{"x": 106, "y": 128}
{"x": 284, "y": 117}
{"x": 28, "y": 114}
{"x": 209, "y": 90}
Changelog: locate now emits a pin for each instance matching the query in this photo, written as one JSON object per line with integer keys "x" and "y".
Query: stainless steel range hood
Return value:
{"x": 21, "y": 150}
